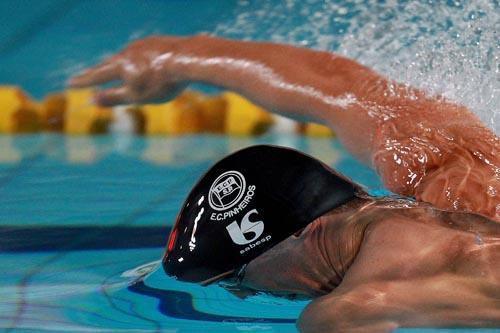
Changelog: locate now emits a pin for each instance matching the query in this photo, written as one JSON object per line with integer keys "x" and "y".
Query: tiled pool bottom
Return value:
{"x": 82, "y": 217}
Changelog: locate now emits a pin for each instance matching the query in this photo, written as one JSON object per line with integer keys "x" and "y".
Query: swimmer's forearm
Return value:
{"x": 386, "y": 306}
{"x": 280, "y": 77}
{"x": 316, "y": 85}
{"x": 412, "y": 139}
{"x": 352, "y": 99}
{"x": 321, "y": 86}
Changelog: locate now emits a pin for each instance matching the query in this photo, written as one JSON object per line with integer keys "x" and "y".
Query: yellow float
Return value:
{"x": 214, "y": 112}
{"x": 191, "y": 112}
{"x": 180, "y": 116}
{"x": 18, "y": 113}
{"x": 244, "y": 117}
{"x": 83, "y": 116}
{"x": 317, "y": 130}
{"x": 52, "y": 112}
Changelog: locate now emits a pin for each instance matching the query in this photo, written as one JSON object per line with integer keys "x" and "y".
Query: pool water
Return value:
{"x": 83, "y": 223}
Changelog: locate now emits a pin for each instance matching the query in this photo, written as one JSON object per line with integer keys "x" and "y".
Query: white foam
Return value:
{"x": 450, "y": 48}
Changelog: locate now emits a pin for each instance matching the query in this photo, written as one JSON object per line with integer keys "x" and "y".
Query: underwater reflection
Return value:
{"x": 182, "y": 150}
{"x": 8, "y": 151}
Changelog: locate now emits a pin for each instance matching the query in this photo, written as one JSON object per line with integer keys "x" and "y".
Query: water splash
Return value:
{"x": 450, "y": 48}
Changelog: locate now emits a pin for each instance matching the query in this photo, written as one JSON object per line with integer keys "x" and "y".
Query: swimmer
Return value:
{"x": 371, "y": 264}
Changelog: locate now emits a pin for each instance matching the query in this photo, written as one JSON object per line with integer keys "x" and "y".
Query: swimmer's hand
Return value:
{"x": 141, "y": 69}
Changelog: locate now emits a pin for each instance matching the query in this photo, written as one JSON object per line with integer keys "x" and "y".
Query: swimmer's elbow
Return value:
{"x": 312, "y": 319}
{"x": 454, "y": 177}
{"x": 332, "y": 314}
{"x": 403, "y": 165}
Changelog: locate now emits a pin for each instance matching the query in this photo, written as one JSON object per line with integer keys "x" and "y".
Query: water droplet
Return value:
{"x": 491, "y": 191}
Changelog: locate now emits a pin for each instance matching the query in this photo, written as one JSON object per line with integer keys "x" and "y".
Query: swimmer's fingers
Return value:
{"x": 128, "y": 94}
{"x": 115, "y": 96}
{"x": 107, "y": 71}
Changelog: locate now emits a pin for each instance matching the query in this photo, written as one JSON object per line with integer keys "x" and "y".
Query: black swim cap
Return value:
{"x": 244, "y": 205}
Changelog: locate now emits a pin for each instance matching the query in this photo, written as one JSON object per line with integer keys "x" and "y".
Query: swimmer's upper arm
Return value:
{"x": 442, "y": 300}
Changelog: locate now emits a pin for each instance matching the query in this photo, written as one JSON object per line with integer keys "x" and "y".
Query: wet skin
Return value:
{"x": 376, "y": 265}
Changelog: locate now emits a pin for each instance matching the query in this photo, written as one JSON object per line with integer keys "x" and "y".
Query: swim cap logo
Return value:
{"x": 227, "y": 190}
{"x": 237, "y": 233}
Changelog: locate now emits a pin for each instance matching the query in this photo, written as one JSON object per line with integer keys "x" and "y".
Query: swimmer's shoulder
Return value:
{"x": 408, "y": 211}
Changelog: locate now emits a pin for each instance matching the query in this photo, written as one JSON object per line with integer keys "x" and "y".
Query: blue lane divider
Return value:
{"x": 78, "y": 238}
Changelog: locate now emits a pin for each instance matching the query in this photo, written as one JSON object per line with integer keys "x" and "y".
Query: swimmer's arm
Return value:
{"x": 338, "y": 313}
{"x": 411, "y": 139}
{"x": 380, "y": 307}
{"x": 313, "y": 85}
